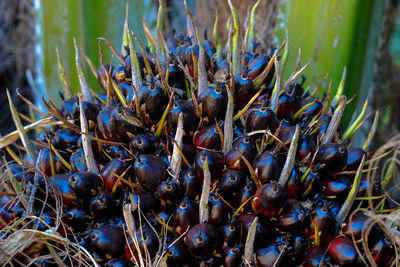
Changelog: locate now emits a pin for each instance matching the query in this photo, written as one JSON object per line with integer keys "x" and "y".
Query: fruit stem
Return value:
{"x": 36, "y": 182}
{"x": 228, "y": 124}
{"x": 339, "y": 91}
{"x": 251, "y": 24}
{"x": 135, "y": 69}
{"x": 294, "y": 77}
{"x": 21, "y": 130}
{"x": 301, "y": 110}
{"x": 235, "y": 40}
{"x": 344, "y": 210}
{"x": 91, "y": 66}
{"x": 63, "y": 77}
{"x": 277, "y": 87}
{"x": 87, "y": 147}
{"x": 218, "y": 54}
{"x": 176, "y": 158}
{"x": 125, "y": 36}
{"x": 160, "y": 27}
{"x": 288, "y": 167}
{"x": 191, "y": 31}
{"x": 205, "y": 194}
{"x": 354, "y": 126}
{"x": 149, "y": 37}
{"x": 87, "y": 95}
{"x": 249, "y": 245}
{"x": 121, "y": 59}
{"x": 335, "y": 121}
{"x": 248, "y": 105}
{"x": 371, "y": 132}
{"x": 164, "y": 116}
{"x": 119, "y": 93}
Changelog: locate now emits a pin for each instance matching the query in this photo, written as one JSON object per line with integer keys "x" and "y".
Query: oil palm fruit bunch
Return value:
{"x": 194, "y": 155}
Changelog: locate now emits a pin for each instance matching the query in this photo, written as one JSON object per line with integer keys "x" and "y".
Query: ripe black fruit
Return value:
{"x": 150, "y": 171}
{"x": 202, "y": 240}
{"x": 270, "y": 200}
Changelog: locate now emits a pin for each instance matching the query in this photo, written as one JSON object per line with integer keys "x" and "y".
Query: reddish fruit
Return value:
{"x": 342, "y": 251}
{"x": 270, "y": 200}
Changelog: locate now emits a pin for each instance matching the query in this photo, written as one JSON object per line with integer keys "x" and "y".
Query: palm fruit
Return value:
{"x": 189, "y": 147}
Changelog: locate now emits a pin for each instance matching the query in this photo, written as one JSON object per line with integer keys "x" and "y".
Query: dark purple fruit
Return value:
{"x": 152, "y": 100}
{"x": 117, "y": 123}
{"x": 229, "y": 234}
{"x": 85, "y": 185}
{"x": 104, "y": 206}
{"x": 383, "y": 252}
{"x": 245, "y": 193}
{"x": 150, "y": 171}
{"x": 213, "y": 103}
{"x": 270, "y": 255}
{"x": 218, "y": 210}
{"x": 185, "y": 216}
{"x": 207, "y": 137}
{"x": 355, "y": 227}
{"x": 108, "y": 241}
{"x": 143, "y": 144}
{"x": 343, "y": 251}
{"x": 45, "y": 158}
{"x": 354, "y": 157}
{"x": 216, "y": 164}
{"x": 232, "y": 256}
{"x": 147, "y": 201}
{"x": 68, "y": 196}
{"x": 78, "y": 161}
{"x": 77, "y": 218}
{"x": 244, "y": 146}
{"x": 331, "y": 157}
{"x": 244, "y": 90}
{"x": 116, "y": 166}
{"x": 267, "y": 167}
{"x": 257, "y": 65}
{"x": 202, "y": 240}
{"x": 324, "y": 221}
{"x": 292, "y": 218}
{"x": 316, "y": 257}
{"x": 261, "y": 119}
{"x": 176, "y": 75}
{"x": 230, "y": 184}
{"x": 190, "y": 185}
{"x": 91, "y": 110}
{"x": 148, "y": 241}
{"x": 66, "y": 108}
{"x": 65, "y": 138}
{"x": 288, "y": 106}
{"x": 270, "y": 200}
{"x": 169, "y": 192}
{"x": 337, "y": 187}
{"x": 245, "y": 220}
{"x": 305, "y": 149}
{"x": 178, "y": 254}
{"x": 294, "y": 186}
{"x": 190, "y": 118}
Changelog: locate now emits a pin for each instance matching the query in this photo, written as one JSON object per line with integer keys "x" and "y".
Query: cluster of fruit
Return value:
{"x": 273, "y": 185}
